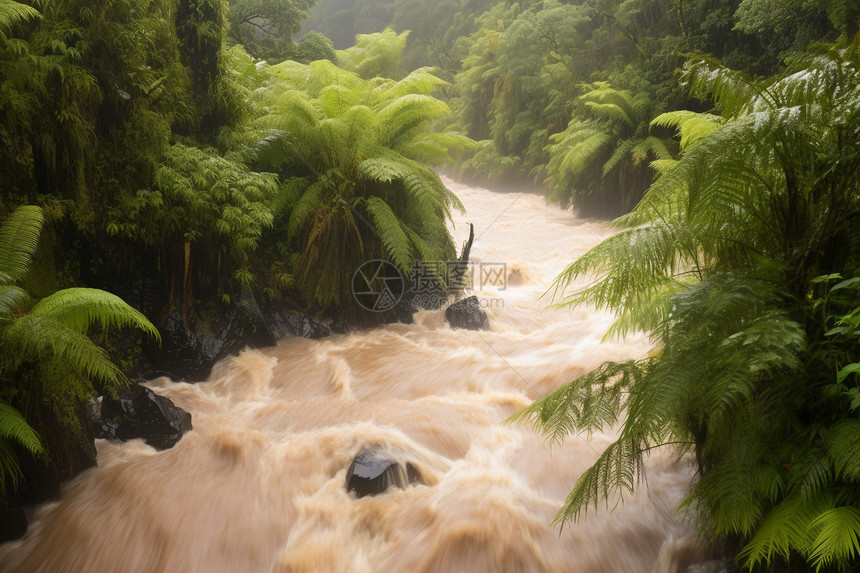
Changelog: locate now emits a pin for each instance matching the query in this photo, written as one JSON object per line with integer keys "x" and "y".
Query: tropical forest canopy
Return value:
{"x": 191, "y": 155}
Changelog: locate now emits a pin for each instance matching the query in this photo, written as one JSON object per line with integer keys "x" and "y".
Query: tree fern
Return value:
{"x": 358, "y": 147}
{"x": 605, "y": 149}
{"x": 719, "y": 263}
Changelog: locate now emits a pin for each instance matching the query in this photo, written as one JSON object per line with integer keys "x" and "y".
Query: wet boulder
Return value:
{"x": 138, "y": 412}
{"x": 191, "y": 347}
{"x": 287, "y": 324}
{"x": 372, "y": 472}
{"x": 467, "y": 313}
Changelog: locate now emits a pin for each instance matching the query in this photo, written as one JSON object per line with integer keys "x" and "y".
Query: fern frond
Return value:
{"x": 785, "y": 528}
{"x": 394, "y": 240}
{"x": 592, "y": 402}
{"x": 313, "y": 198}
{"x": 387, "y": 168}
{"x": 732, "y": 90}
{"x": 80, "y": 308}
{"x": 618, "y": 155}
{"x": 693, "y": 126}
{"x": 19, "y": 239}
{"x": 617, "y": 470}
{"x": 14, "y": 429}
{"x": 13, "y": 14}
{"x": 611, "y": 104}
{"x": 843, "y": 448}
{"x": 838, "y": 537}
{"x": 48, "y": 339}
{"x": 11, "y": 299}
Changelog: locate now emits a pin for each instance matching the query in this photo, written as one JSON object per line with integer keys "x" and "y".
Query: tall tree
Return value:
{"x": 266, "y": 27}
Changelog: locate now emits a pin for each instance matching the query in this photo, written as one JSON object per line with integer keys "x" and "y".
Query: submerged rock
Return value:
{"x": 467, "y": 313}
{"x": 138, "y": 412}
{"x": 372, "y": 472}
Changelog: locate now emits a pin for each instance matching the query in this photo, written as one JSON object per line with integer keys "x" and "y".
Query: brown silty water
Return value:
{"x": 258, "y": 485}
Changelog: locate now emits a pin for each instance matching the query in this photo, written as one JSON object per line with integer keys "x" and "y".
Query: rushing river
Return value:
{"x": 258, "y": 485}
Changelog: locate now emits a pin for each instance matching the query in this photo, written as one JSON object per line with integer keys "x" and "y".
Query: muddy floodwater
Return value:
{"x": 258, "y": 485}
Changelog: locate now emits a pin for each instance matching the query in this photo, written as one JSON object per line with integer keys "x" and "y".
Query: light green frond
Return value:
{"x": 786, "y": 527}
{"x": 408, "y": 114}
{"x": 14, "y": 14}
{"x": 693, "y": 126}
{"x": 336, "y": 99}
{"x": 641, "y": 261}
{"x": 733, "y": 90}
{"x": 31, "y": 336}
{"x": 80, "y": 308}
{"x": 292, "y": 110}
{"x": 435, "y": 148}
{"x": 658, "y": 148}
{"x": 611, "y": 104}
{"x": 19, "y": 239}
{"x": 663, "y": 166}
{"x": 421, "y": 81}
{"x": 611, "y": 112}
{"x": 386, "y": 168}
{"x": 311, "y": 200}
{"x": 426, "y": 193}
{"x": 838, "y": 537}
{"x": 581, "y": 153}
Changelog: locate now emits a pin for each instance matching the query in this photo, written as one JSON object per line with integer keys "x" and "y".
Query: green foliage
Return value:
{"x": 266, "y": 27}
{"x": 729, "y": 261}
{"x": 14, "y": 14}
{"x": 315, "y": 46}
{"x": 14, "y": 430}
{"x": 47, "y": 356}
{"x": 375, "y": 55}
{"x": 351, "y": 155}
{"x": 613, "y": 141}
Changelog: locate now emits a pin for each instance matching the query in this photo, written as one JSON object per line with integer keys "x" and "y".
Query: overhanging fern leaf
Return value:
{"x": 19, "y": 239}
{"x": 79, "y": 308}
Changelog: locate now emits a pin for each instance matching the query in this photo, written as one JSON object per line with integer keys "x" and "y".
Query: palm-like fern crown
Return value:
{"x": 719, "y": 261}
{"x": 353, "y": 156}
{"x": 612, "y": 138}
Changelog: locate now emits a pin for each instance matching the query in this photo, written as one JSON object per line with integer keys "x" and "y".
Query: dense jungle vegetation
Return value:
{"x": 192, "y": 155}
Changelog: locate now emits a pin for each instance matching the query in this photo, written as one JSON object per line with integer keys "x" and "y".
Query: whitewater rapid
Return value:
{"x": 258, "y": 485}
